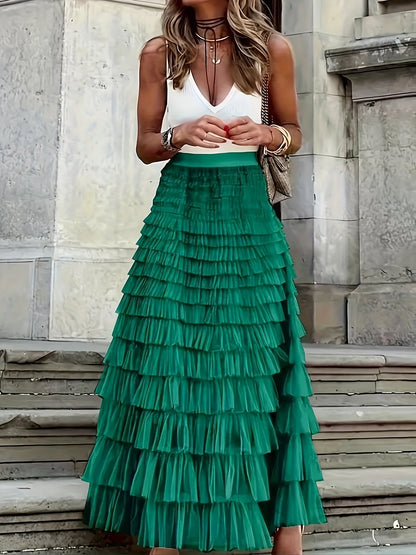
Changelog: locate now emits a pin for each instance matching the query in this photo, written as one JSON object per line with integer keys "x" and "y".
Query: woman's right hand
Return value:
{"x": 207, "y": 131}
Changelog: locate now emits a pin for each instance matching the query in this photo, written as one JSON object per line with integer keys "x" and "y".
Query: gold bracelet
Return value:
{"x": 284, "y": 145}
{"x": 285, "y": 132}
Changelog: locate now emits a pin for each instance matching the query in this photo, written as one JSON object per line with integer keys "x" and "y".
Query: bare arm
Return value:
{"x": 151, "y": 104}
{"x": 282, "y": 89}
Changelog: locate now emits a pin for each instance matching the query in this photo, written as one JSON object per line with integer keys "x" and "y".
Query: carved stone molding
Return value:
{"x": 372, "y": 54}
{"x": 379, "y": 7}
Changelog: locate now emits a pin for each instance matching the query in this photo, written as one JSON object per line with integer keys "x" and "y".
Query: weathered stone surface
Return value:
{"x": 86, "y": 295}
{"x": 42, "y": 386}
{"x": 42, "y": 496}
{"x": 49, "y": 401}
{"x": 374, "y": 53}
{"x": 388, "y": 415}
{"x": 16, "y": 293}
{"x": 329, "y": 129}
{"x": 75, "y": 352}
{"x": 395, "y": 307}
{"x": 336, "y": 251}
{"x": 384, "y": 25}
{"x": 302, "y": 179}
{"x": 408, "y": 549}
{"x": 297, "y": 17}
{"x": 393, "y": 386}
{"x": 49, "y": 539}
{"x": 397, "y": 355}
{"x": 359, "y": 460}
{"x": 368, "y": 521}
{"x": 347, "y": 373}
{"x": 387, "y": 200}
{"x": 362, "y": 399}
{"x": 59, "y": 92}
{"x": 327, "y": 16}
{"x": 323, "y": 310}
{"x": 390, "y": 6}
{"x": 365, "y": 445}
{"x": 368, "y": 482}
{"x": 49, "y": 418}
{"x": 39, "y": 469}
{"x": 113, "y": 550}
{"x": 75, "y": 451}
{"x": 381, "y": 84}
{"x": 30, "y": 68}
{"x": 344, "y": 387}
{"x": 299, "y": 235}
{"x": 41, "y": 298}
{"x": 335, "y": 188}
{"x": 355, "y": 540}
{"x": 95, "y": 550}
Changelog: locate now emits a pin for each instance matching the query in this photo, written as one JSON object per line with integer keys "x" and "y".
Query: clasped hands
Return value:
{"x": 210, "y": 132}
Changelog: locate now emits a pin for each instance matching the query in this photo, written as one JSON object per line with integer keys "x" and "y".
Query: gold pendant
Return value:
{"x": 215, "y": 61}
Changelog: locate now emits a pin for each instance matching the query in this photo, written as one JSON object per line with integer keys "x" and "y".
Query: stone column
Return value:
{"x": 73, "y": 192}
{"x": 382, "y": 71}
{"x": 103, "y": 191}
{"x": 321, "y": 221}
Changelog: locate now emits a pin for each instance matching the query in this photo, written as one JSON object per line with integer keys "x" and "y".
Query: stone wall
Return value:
{"x": 382, "y": 72}
{"x": 31, "y": 44}
{"x": 74, "y": 193}
{"x": 321, "y": 221}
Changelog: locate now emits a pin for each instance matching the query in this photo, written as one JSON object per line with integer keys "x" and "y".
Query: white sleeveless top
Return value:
{"x": 189, "y": 103}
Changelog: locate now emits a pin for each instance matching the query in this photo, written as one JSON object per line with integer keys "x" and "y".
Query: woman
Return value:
{"x": 204, "y": 434}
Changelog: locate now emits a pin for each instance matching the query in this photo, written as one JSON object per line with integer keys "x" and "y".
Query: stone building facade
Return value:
{"x": 74, "y": 195}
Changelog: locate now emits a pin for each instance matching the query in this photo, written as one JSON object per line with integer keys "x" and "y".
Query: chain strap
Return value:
{"x": 265, "y": 114}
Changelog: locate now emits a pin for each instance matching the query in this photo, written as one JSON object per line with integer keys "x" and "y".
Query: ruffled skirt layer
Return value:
{"x": 204, "y": 436}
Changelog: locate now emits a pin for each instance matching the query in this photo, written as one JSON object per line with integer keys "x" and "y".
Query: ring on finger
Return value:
{"x": 205, "y": 136}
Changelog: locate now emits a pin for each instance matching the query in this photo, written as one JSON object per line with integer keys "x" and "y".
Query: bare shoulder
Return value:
{"x": 155, "y": 46}
{"x": 280, "y": 49}
{"x": 153, "y": 57}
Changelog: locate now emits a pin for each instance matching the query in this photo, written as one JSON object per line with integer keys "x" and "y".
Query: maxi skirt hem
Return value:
{"x": 204, "y": 437}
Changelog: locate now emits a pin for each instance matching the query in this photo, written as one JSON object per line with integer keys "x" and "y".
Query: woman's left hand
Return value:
{"x": 244, "y": 131}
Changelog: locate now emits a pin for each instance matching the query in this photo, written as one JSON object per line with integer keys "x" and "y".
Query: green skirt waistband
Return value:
{"x": 221, "y": 160}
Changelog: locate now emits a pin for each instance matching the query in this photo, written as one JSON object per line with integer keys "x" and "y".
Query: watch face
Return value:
{"x": 165, "y": 140}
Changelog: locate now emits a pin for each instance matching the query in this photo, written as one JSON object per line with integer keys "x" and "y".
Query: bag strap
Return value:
{"x": 265, "y": 114}
{"x": 266, "y": 117}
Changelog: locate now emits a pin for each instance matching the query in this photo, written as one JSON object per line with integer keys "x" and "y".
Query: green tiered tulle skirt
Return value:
{"x": 204, "y": 433}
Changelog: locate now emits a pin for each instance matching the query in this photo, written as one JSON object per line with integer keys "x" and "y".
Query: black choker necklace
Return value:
{"x": 209, "y": 25}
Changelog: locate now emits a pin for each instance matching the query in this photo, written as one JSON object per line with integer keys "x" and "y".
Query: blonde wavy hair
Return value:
{"x": 251, "y": 29}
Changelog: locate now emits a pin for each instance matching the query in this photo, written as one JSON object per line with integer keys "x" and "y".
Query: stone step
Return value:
{"x": 366, "y": 436}
{"x": 378, "y": 550}
{"x": 364, "y": 506}
{"x": 48, "y": 374}
{"x": 41, "y": 443}
{"x": 115, "y": 550}
{"x": 362, "y": 400}
{"x": 52, "y": 442}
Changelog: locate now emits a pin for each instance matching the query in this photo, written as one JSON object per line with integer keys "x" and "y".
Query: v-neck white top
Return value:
{"x": 189, "y": 103}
